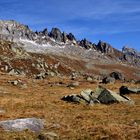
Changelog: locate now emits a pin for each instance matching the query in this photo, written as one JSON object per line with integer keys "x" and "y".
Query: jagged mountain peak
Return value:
{"x": 64, "y": 43}
{"x": 13, "y": 24}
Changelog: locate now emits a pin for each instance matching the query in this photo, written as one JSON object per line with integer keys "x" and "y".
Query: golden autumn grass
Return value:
{"x": 42, "y": 99}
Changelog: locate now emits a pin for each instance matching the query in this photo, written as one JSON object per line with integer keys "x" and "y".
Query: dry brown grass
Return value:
{"x": 69, "y": 121}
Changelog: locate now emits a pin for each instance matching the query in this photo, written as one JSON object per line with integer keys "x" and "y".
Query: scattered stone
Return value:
{"x": 51, "y": 136}
{"x": 101, "y": 95}
{"x": 86, "y": 95}
{"x": 6, "y": 68}
{"x": 89, "y": 79}
{"x": 73, "y": 84}
{"x": 72, "y": 98}
{"x": 73, "y": 76}
{"x": 52, "y": 74}
{"x": 107, "y": 96}
{"x": 56, "y": 126}
{"x": 117, "y": 75}
{"x": 72, "y": 88}
{"x": 41, "y": 137}
{"x": 108, "y": 80}
{"x": 32, "y": 124}
{"x": 125, "y": 90}
{"x": 20, "y": 83}
{"x": 40, "y": 76}
{"x": 89, "y": 96}
{"x": 137, "y": 82}
{"x": 2, "y": 111}
{"x": 14, "y": 82}
{"x": 15, "y": 72}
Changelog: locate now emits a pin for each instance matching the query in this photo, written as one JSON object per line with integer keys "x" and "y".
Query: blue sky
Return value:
{"x": 114, "y": 21}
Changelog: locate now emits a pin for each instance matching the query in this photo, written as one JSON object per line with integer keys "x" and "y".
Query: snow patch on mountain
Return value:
{"x": 32, "y": 46}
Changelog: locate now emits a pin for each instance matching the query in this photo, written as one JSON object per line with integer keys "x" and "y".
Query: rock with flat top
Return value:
{"x": 32, "y": 124}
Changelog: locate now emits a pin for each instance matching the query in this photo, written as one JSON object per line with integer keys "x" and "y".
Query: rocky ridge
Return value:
{"x": 14, "y": 31}
{"x": 22, "y": 48}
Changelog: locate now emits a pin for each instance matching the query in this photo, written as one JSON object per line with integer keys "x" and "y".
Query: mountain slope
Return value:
{"x": 25, "y": 46}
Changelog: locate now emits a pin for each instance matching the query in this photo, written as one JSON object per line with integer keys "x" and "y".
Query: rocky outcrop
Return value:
{"x": 105, "y": 47}
{"x": 71, "y": 37}
{"x": 45, "y": 32}
{"x": 12, "y": 30}
{"x": 86, "y": 44}
{"x": 64, "y": 37}
{"x": 56, "y": 34}
{"x": 131, "y": 56}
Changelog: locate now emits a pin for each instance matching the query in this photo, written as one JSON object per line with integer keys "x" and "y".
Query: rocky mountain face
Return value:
{"x": 20, "y": 42}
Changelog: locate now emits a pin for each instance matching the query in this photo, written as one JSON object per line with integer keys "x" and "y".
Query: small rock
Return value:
{"x": 2, "y": 111}
{"x": 20, "y": 83}
{"x": 108, "y": 80}
{"x": 72, "y": 98}
{"x": 89, "y": 79}
{"x": 52, "y": 74}
{"x": 14, "y": 82}
{"x": 40, "y": 76}
{"x": 86, "y": 95}
{"x": 51, "y": 136}
{"x": 15, "y": 72}
{"x": 73, "y": 84}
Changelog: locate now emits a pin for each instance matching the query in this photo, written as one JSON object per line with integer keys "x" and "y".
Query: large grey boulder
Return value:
{"x": 107, "y": 96}
{"x": 32, "y": 124}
